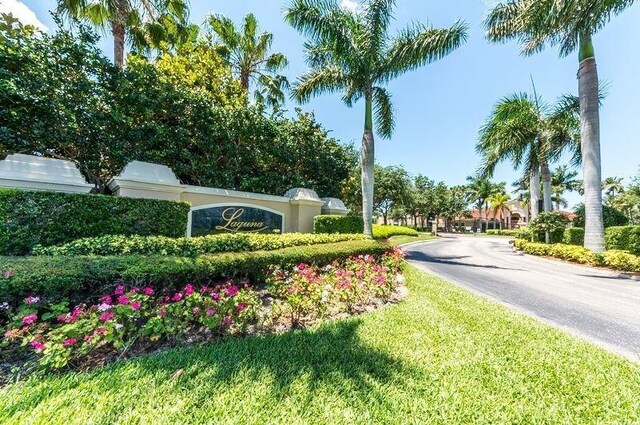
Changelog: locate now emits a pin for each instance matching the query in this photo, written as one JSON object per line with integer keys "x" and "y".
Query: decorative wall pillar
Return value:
{"x": 146, "y": 180}
{"x": 30, "y": 172}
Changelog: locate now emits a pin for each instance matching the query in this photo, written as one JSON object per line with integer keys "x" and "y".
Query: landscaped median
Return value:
{"x": 442, "y": 355}
{"x": 614, "y": 259}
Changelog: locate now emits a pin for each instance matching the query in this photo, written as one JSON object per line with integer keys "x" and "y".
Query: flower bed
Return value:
{"x": 140, "y": 319}
{"x": 189, "y": 247}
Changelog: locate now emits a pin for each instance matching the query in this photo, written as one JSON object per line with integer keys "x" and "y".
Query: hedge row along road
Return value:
{"x": 592, "y": 303}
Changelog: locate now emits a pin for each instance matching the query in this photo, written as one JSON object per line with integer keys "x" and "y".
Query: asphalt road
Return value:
{"x": 594, "y": 304}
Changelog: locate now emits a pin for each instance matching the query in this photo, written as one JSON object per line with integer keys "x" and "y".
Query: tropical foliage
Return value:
{"x": 352, "y": 52}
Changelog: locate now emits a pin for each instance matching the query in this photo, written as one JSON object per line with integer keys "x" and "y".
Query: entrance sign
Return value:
{"x": 238, "y": 218}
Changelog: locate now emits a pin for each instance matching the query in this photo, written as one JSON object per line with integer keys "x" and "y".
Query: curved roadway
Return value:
{"x": 595, "y": 304}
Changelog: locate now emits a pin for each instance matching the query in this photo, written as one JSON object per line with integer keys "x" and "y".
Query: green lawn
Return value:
{"x": 399, "y": 240}
{"x": 441, "y": 356}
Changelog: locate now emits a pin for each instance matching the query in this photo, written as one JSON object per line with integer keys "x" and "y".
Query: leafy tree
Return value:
{"x": 352, "y": 52}
{"x": 612, "y": 216}
{"x": 612, "y": 186}
{"x": 248, "y": 55}
{"x": 628, "y": 201}
{"x": 530, "y": 134}
{"x": 499, "y": 203}
{"x": 392, "y": 190}
{"x": 551, "y": 224}
{"x": 481, "y": 189}
{"x": 569, "y": 24}
{"x": 141, "y": 21}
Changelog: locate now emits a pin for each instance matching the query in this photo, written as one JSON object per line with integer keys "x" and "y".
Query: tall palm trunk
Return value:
{"x": 546, "y": 187}
{"x": 118, "y": 32}
{"x": 534, "y": 190}
{"x": 367, "y": 156}
{"x": 590, "y": 138}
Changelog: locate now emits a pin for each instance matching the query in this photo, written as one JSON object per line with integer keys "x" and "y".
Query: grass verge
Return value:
{"x": 399, "y": 240}
{"x": 441, "y": 356}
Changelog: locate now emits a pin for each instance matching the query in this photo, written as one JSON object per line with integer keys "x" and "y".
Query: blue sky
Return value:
{"x": 440, "y": 107}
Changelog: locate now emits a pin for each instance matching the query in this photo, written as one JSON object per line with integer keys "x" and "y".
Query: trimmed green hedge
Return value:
{"x": 31, "y": 218}
{"x": 502, "y": 232}
{"x": 614, "y": 259}
{"x": 83, "y": 279}
{"x": 626, "y": 238}
{"x": 573, "y": 236}
{"x": 189, "y": 247}
{"x": 381, "y": 231}
{"x": 338, "y": 224}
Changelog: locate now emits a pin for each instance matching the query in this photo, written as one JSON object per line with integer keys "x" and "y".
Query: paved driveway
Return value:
{"x": 595, "y": 304}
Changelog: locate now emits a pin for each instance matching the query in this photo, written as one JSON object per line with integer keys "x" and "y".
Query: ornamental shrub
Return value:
{"x": 610, "y": 217}
{"x": 381, "y": 231}
{"x": 502, "y": 232}
{"x": 573, "y": 253}
{"x": 626, "y": 238}
{"x": 551, "y": 222}
{"x": 189, "y": 247}
{"x": 31, "y": 218}
{"x": 622, "y": 260}
{"x": 82, "y": 279}
{"x": 573, "y": 236}
{"x": 338, "y": 224}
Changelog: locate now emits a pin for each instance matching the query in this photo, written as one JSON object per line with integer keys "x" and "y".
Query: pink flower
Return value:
{"x": 227, "y": 321}
{"x": 241, "y": 307}
{"x": 37, "y": 345}
{"x": 188, "y": 290}
{"x": 231, "y": 291}
{"x": 119, "y": 290}
{"x": 135, "y": 290}
{"x": 210, "y": 312}
{"x": 176, "y": 297}
{"x": 195, "y": 311}
{"x": 162, "y": 313}
{"x": 87, "y": 337}
{"x": 31, "y": 299}
{"x": 101, "y": 330}
{"x": 123, "y": 299}
{"x": 215, "y": 296}
{"x": 69, "y": 342}
{"x": 106, "y": 316}
{"x": 76, "y": 312}
{"x": 136, "y": 305}
{"x": 27, "y": 320}
{"x": 148, "y": 290}
{"x": 9, "y": 273}
{"x": 106, "y": 300}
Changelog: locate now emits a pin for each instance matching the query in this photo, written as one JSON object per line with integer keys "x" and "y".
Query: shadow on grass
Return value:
{"x": 331, "y": 358}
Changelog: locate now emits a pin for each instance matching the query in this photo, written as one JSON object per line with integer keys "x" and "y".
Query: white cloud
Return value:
{"x": 22, "y": 12}
{"x": 349, "y": 5}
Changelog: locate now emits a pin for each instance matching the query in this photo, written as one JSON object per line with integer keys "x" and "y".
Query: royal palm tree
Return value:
{"x": 569, "y": 24}
{"x": 248, "y": 55}
{"x": 352, "y": 52}
{"x": 499, "y": 203}
{"x": 563, "y": 180}
{"x": 141, "y": 21}
{"x": 612, "y": 186}
{"x": 530, "y": 134}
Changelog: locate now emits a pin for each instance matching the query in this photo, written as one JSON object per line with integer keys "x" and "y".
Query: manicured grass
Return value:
{"x": 399, "y": 240}
{"x": 441, "y": 356}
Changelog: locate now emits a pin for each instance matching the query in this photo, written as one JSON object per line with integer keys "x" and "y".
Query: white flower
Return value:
{"x": 399, "y": 279}
{"x": 103, "y": 307}
{"x": 119, "y": 326}
{"x": 4, "y": 306}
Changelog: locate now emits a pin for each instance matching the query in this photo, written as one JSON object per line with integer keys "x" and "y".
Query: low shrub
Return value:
{"x": 573, "y": 253}
{"x": 625, "y": 238}
{"x": 381, "y": 231}
{"x": 338, "y": 224}
{"x": 81, "y": 279}
{"x": 189, "y": 247}
{"x": 573, "y": 236}
{"x": 502, "y": 232}
{"x": 552, "y": 222}
{"x": 622, "y": 260}
{"x": 30, "y": 218}
{"x": 145, "y": 314}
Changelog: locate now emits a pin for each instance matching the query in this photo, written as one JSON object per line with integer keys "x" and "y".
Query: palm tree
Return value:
{"x": 569, "y": 24}
{"x": 613, "y": 186}
{"x": 481, "y": 189}
{"x": 352, "y": 52}
{"x": 499, "y": 202}
{"x": 248, "y": 54}
{"x": 141, "y": 21}
{"x": 563, "y": 180}
{"x": 531, "y": 135}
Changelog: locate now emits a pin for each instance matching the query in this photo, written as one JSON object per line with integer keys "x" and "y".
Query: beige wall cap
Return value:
{"x": 40, "y": 173}
{"x": 334, "y": 206}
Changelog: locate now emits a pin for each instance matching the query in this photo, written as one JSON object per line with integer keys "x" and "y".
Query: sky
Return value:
{"x": 439, "y": 108}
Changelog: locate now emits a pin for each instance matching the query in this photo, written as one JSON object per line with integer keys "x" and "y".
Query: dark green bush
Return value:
{"x": 573, "y": 236}
{"x": 84, "y": 279}
{"x": 610, "y": 216}
{"x": 338, "y": 224}
{"x": 52, "y": 218}
{"x": 626, "y": 238}
{"x": 189, "y": 247}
